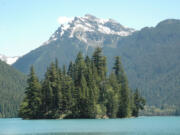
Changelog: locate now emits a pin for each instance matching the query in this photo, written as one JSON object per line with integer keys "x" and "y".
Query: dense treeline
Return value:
{"x": 12, "y": 85}
{"x": 166, "y": 110}
{"x": 84, "y": 90}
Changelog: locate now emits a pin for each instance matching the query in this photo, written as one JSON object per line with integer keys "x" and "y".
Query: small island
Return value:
{"x": 85, "y": 90}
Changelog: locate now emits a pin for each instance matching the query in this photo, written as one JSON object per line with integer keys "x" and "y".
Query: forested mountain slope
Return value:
{"x": 12, "y": 86}
{"x": 151, "y": 58}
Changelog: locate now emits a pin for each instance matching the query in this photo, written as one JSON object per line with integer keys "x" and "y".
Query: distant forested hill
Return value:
{"x": 152, "y": 62}
{"x": 12, "y": 86}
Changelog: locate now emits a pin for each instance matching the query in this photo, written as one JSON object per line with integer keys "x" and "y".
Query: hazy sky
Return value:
{"x": 26, "y": 24}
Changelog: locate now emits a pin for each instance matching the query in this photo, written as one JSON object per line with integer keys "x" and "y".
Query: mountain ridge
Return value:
{"x": 83, "y": 27}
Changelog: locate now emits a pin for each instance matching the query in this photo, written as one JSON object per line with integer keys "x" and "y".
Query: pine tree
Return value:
{"x": 93, "y": 91}
{"x": 113, "y": 96}
{"x": 99, "y": 74}
{"x": 47, "y": 96}
{"x": 64, "y": 70}
{"x": 54, "y": 80}
{"x": 124, "y": 104}
{"x": 91, "y": 104}
{"x": 30, "y": 107}
{"x": 79, "y": 85}
{"x": 91, "y": 78}
{"x": 139, "y": 103}
{"x": 99, "y": 62}
{"x": 112, "y": 103}
{"x": 67, "y": 88}
{"x": 51, "y": 91}
{"x": 71, "y": 70}
{"x": 79, "y": 68}
{"x": 83, "y": 93}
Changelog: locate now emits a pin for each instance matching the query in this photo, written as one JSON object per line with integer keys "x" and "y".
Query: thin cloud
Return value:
{"x": 64, "y": 20}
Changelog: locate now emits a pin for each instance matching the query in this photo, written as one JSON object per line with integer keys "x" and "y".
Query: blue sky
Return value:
{"x": 26, "y": 24}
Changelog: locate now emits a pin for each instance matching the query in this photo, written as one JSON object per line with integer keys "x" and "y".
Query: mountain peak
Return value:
{"x": 168, "y": 22}
{"x": 83, "y": 28}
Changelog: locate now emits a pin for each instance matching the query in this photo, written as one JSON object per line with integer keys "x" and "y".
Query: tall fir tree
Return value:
{"x": 30, "y": 107}
{"x": 71, "y": 70}
{"x": 51, "y": 91}
{"x": 139, "y": 103}
{"x": 99, "y": 62}
{"x": 67, "y": 88}
{"x": 124, "y": 101}
{"x": 47, "y": 96}
{"x": 113, "y": 96}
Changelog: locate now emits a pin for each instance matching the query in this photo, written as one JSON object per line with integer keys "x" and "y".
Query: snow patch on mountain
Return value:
{"x": 91, "y": 23}
{"x": 9, "y": 60}
{"x": 105, "y": 30}
{"x": 80, "y": 28}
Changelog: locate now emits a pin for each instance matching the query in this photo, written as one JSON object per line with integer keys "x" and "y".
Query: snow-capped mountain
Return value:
{"x": 90, "y": 30}
{"x": 74, "y": 35}
{"x": 9, "y": 60}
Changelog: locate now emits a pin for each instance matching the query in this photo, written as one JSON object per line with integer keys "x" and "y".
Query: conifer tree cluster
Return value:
{"x": 83, "y": 90}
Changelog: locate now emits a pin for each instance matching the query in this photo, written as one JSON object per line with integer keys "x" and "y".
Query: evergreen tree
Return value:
{"x": 112, "y": 103}
{"x": 79, "y": 68}
{"x": 113, "y": 96}
{"x": 80, "y": 86}
{"x": 64, "y": 70}
{"x": 71, "y": 70}
{"x": 91, "y": 79}
{"x": 139, "y": 103}
{"x": 53, "y": 82}
{"x": 91, "y": 104}
{"x": 124, "y": 104}
{"x": 99, "y": 62}
{"x": 99, "y": 74}
{"x": 47, "y": 96}
{"x": 93, "y": 91}
{"x": 30, "y": 107}
{"x": 67, "y": 88}
{"x": 51, "y": 91}
{"x": 83, "y": 93}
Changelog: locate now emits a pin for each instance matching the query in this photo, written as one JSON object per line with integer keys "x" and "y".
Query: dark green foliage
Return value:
{"x": 67, "y": 88}
{"x": 124, "y": 101}
{"x": 12, "y": 85}
{"x": 84, "y": 91}
{"x": 100, "y": 62}
{"x": 139, "y": 103}
{"x": 113, "y": 95}
{"x": 30, "y": 107}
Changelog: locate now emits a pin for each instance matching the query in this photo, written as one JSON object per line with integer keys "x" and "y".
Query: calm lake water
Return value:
{"x": 131, "y": 126}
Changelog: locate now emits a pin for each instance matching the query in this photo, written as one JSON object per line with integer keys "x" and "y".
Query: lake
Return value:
{"x": 129, "y": 126}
